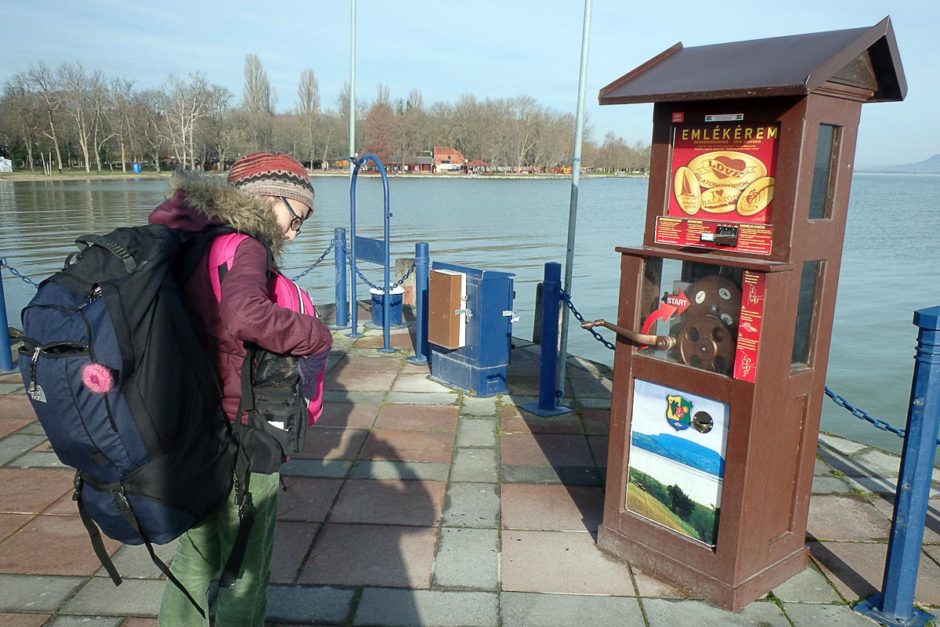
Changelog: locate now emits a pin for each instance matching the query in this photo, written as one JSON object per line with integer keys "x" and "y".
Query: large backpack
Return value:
{"x": 281, "y": 394}
{"x": 127, "y": 395}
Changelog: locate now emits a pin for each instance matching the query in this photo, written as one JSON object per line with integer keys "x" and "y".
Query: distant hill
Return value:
{"x": 927, "y": 166}
{"x": 681, "y": 450}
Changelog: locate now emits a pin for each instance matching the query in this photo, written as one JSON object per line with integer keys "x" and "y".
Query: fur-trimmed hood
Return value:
{"x": 195, "y": 201}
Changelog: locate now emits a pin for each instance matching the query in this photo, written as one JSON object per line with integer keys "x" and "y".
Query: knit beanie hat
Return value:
{"x": 272, "y": 174}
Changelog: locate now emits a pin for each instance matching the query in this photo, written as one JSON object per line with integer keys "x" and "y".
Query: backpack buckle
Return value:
{"x": 77, "y": 484}
{"x": 122, "y": 503}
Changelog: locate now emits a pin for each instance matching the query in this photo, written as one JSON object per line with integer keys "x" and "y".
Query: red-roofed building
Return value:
{"x": 447, "y": 159}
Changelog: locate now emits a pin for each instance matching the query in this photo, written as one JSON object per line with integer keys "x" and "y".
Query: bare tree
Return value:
{"x": 308, "y": 92}
{"x": 76, "y": 87}
{"x": 21, "y": 111}
{"x": 44, "y": 79}
{"x": 257, "y": 101}
{"x": 122, "y": 96}
{"x": 183, "y": 106}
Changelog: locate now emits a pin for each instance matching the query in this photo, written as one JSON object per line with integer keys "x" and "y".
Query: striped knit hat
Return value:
{"x": 272, "y": 174}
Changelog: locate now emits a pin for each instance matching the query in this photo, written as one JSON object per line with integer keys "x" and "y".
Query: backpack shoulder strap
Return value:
{"x": 221, "y": 258}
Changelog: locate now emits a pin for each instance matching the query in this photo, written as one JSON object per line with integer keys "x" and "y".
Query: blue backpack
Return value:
{"x": 126, "y": 394}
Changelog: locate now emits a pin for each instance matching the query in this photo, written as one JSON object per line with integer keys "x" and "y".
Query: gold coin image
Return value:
{"x": 687, "y": 190}
{"x": 756, "y": 196}
{"x": 720, "y": 199}
{"x": 727, "y": 168}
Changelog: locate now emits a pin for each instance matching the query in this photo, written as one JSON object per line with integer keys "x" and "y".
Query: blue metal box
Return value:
{"x": 479, "y": 367}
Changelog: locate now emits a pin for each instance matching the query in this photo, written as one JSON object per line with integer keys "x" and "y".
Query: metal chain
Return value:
{"x": 17, "y": 273}
{"x": 315, "y": 263}
{"x": 577, "y": 314}
{"x": 394, "y": 285}
{"x": 840, "y": 401}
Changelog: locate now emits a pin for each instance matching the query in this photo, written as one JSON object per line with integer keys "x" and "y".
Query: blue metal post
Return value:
{"x": 895, "y": 604}
{"x": 422, "y": 263}
{"x": 548, "y": 358}
{"x": 6, "y": 359}
{"x": 339, "y": 259}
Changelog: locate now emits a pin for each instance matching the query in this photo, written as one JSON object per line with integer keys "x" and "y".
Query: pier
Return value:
{"x": 413, "y": 504}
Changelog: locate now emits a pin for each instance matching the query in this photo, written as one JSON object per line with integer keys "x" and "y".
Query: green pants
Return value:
{"x": 203, "y": 550}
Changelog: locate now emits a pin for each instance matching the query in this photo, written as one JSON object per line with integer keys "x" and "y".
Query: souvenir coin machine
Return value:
{"x": 725, "y": 312}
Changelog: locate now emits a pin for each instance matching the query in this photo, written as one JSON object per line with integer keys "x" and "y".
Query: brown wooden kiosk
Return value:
{"x": 726, "y": 310}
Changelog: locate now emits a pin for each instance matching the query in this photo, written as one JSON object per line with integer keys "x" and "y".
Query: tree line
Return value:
{"x": 68, "y": 117}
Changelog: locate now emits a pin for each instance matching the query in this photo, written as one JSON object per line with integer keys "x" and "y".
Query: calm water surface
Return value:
{"x": 889, "y": 265}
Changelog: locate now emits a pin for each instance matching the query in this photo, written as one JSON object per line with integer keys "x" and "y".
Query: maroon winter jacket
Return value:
{"x": 245, "y": 312}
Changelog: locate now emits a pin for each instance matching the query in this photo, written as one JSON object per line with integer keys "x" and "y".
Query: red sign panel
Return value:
{"x": 751, "y": 238}
{"x": 749, "y": 324}
{"x": 723, "y": 171}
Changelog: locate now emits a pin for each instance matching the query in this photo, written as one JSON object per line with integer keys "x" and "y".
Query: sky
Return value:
{"x": 487, "y": 48}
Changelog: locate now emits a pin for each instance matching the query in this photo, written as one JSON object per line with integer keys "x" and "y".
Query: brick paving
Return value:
{"x": 413, "y": 504}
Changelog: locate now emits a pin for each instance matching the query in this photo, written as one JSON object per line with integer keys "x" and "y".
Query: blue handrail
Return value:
{"x": 354, "y": 304}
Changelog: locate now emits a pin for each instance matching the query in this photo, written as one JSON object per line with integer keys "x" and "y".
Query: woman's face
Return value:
{"x": 290, "y": 215}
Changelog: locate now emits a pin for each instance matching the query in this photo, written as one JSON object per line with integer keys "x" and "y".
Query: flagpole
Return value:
{"x": 573, "y": 205}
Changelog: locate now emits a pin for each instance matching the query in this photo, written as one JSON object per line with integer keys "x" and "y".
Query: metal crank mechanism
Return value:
{"x": 662, "y": 342}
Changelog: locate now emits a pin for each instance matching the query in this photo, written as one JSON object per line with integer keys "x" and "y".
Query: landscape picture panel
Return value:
{"x": 677, "y": 459}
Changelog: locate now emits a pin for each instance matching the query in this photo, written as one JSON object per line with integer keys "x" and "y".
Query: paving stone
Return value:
{"x": 9, "y": 523}
{"x": 418, "y": 383}
{"x": 846, "y": 518}
{"x": 12, "y": 388}
{"x": 23, "y": 620}
{"x": 467, "y": 559}
{"x": 134, "y": 597}
{"x": 333, "y": 444}
{"x": 649, "y": 586}
{"x": 563, "y": 610}
{"x": 139, "y": 621}
{"x": 879, "y": 463}
{"x": 371, "y": 362}
{"x": 518, "y": 400}
{"x": 551, "y": 507}
{"x": 668, "y": 613}
{"x": 856, "y": 569}
{"x": 383, "y": 606}
{"x": 822, "y": 469}
{"x": 477, "y": 465}
{"x": 416, "y": 398}
{"x": 409, "y": 446}
{"x": 885, "y": 504}
{"x": 335, "y": 469}
{"x": 308, "y": 605}
{"x": 133, "y": 562}
{"x": 829, "y": 615}
{"x": 307, "y": 499}
{"x": 346, "y": 416}
{"x": 479, "y": 406}
{"x": 37, "y": 459}
{"x": 598, "y": 446}
{"x": 85, "y": 621}
{"x": 371, "y": 555}
{"x": 347, "y": 397}
{"x": 471, "y": 505}
{"x": 516, "y": 420}
{"x": 573, "y": 475}
{"x": 343, "y": 379}
{"x": 842, "y": 445}
{"x": 406, "y": 471}
{"x": 16, "y": 425}
{"x": 368, "y": 501}
{"x": 555, "y": 450}
{"x": 830, "y": 485}
{"x": 292, "y": 542}
{"x": 417, "y": 418}
{"x": 31, "y": 593}
{"x": 809, "y": 586}
{"x": 27, "y": 550}
{"x": 593, "y": 403}
{"x": 16, "y": 407}
{"x": 595, "y": 421}
{"x": 15, "y": 445}
{"x": 476, "y": 433}
{"x": 560, "y": 562}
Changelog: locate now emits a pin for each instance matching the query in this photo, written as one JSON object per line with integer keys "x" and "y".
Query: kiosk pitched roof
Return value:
{"x": 795, "y": 65}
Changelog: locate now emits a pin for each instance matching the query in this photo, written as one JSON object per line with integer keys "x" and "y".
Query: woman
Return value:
{"x": 268, "y": 197}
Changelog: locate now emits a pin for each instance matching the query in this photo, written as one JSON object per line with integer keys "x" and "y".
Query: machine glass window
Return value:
{"x": 827, "y": 152}
{"x": 806, "y": 314}
{"x": 695, "y": 309}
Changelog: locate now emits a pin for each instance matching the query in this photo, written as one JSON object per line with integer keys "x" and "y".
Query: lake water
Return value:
{"x": 889, "y": 265}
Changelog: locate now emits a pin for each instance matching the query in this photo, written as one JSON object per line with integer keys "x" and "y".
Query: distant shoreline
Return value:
{"x": 86, "y": 176}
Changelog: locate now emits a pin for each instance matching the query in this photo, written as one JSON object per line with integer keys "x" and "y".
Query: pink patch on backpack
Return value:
{"x": 287, "y": 294}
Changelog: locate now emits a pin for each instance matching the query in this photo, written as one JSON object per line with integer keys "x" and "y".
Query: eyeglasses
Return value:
{"x": 296, "y": 220}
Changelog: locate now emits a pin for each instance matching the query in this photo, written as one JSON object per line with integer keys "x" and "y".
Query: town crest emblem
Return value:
{"x": 678, "y": 412}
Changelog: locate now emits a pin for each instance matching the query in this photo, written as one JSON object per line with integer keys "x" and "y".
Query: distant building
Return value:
{"x": 447, "y": 159}
{"x": 6, "y": 165}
